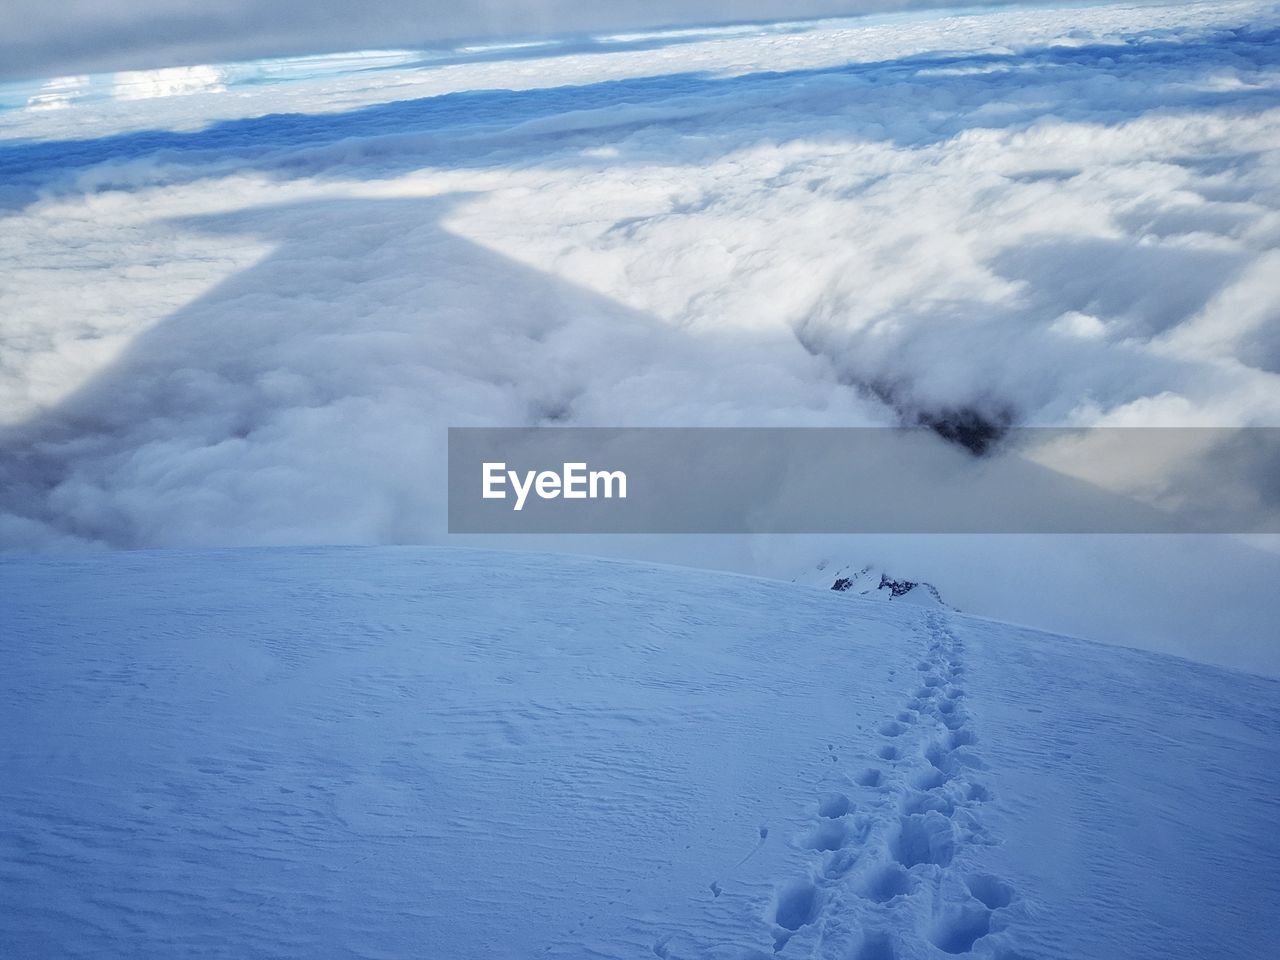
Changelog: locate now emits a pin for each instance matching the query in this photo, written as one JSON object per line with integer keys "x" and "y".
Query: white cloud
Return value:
{"x": 38, "y": 39}
{"x": 227, "y": 330}
{"x": 57, "y": 93}
{"x": 167, "y": 82}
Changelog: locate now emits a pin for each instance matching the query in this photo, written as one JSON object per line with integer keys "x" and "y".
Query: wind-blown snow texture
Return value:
{"x": 432, "y": 753}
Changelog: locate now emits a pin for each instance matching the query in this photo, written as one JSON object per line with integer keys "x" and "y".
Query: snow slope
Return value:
{"x": 412, "y": 752}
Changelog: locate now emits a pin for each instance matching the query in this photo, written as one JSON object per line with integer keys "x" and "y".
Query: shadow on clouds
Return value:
{"x": 305, "y": 399}
{"x": 467, "y": 128}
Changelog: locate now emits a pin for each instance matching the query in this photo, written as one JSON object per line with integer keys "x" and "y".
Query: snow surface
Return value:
{"x": 418, "y": 752}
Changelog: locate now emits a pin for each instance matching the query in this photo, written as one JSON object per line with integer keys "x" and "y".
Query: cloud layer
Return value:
{"x": 82, "y": 36}
{"x": 244, "y": 310}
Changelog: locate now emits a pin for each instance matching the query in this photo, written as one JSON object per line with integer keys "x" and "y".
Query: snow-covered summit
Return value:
{"x": 408, "y": 752}
{"x": 871, "y": 582}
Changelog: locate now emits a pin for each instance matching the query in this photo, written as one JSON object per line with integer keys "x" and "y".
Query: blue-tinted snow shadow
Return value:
{"x": 880, "y": 101}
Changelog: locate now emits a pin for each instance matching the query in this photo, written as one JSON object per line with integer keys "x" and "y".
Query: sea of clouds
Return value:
{"x": 241, "y": 304}
{"x": 76, "y": 36}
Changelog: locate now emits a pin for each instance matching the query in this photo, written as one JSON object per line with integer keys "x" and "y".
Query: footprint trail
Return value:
{"x": 893, "y": 873}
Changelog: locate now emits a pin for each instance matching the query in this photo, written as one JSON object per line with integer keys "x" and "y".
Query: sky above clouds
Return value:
{"x": 241, "y": 305}
{"x": 41, "y": 39}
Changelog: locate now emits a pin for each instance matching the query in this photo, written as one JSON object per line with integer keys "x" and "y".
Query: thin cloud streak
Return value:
{"x": 88, "y": 36}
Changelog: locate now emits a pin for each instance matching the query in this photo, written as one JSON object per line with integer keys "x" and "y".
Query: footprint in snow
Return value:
{"x": 876, "y": 946}
{"x": 927, "y": 838}
{"x": 827, "y": 835}
{"x": 957, "y": 929}
{"x": 833, "y": 805}
{"x": 870, "y": 777}
{"x": 795, "y": 904}
{"x": 886, "y": 883}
